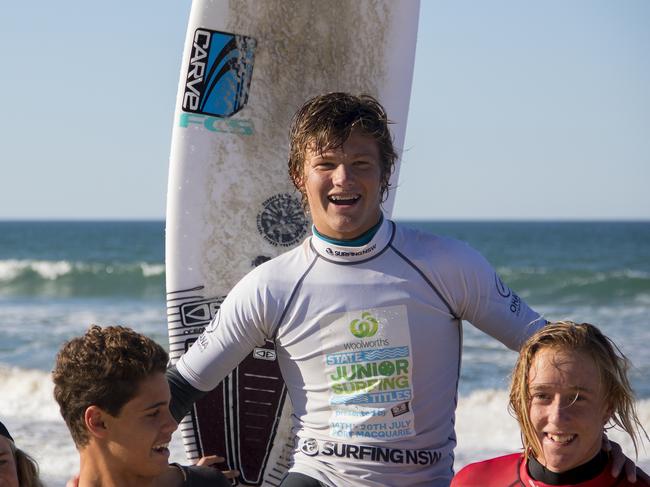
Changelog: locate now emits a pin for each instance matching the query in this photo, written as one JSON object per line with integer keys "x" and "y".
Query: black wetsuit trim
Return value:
{"x": 183, "y": 394}
{"x": 582, "y": 473}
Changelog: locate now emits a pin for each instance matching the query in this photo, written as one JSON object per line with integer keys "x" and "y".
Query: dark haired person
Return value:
{"x": 570, "y": 382}
{"x": 111, "y": 389}
{"x": 17, "y": 468}
{"x": 365, "y": 315}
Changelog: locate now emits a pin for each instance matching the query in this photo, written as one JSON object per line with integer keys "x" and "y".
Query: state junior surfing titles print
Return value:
{"x": 369, "y": 374}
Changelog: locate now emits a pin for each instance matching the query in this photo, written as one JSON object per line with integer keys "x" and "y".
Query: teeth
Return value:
{"x": 161, "y": 446}
{"x": 337, "y": 197}
{"x": 560, "y": 438}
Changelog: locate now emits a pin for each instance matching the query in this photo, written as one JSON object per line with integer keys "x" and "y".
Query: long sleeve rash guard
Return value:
{"x": 368, "y": 340}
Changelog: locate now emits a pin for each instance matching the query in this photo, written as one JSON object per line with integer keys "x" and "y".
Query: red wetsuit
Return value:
{"x": 511, "y": 471}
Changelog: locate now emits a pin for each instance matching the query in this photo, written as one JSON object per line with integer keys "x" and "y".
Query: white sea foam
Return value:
{"x": 635, "y": 274}
{"x": 509, "y": 272}
{"x": 45, "y": 269}
{"x": 149, "y": 270}
{"x": 10, "y": 269}
{"x": 643, "y": 299}
{"x": 51, "y": 270}
{"x": 484, "y": 427}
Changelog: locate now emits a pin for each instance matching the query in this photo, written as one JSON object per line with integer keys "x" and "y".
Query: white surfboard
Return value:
{"x": 248, "y": 65}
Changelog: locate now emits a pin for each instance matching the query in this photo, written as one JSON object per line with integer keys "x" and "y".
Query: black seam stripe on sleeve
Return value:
{"x": 293, "y": 295}
{"x": 426, "y": 279}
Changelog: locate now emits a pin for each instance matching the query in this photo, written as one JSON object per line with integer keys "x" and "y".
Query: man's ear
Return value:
{"x": 95, "y": 420}
{"x": 608, "y": 415}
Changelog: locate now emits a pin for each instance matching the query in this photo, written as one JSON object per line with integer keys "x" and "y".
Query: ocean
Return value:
{"x": 57, "y": 278}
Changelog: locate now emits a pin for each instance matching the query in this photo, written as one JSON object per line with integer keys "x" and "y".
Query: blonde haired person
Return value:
{"x": 17, "y": 468}
{"x": 569, "y": 383}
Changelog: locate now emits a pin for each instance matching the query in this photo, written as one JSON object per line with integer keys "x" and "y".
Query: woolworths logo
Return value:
{"x": 366, "y": 327}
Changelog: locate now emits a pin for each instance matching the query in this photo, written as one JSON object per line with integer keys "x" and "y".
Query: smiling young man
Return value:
{"x": 365, "y": 315}
{"x": 113, "y": 395}
{"x": 569, "y": 383}
{"x": 343, "y": 186}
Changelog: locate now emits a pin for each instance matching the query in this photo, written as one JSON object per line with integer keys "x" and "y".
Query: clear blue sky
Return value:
{"x": 520, "y": 109}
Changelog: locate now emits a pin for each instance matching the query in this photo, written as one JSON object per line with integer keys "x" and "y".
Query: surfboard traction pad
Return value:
{"x": 285, "y": 51}
{"x": 254, "y": 417}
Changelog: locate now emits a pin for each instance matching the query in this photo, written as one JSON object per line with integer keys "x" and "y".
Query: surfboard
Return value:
{"x": 247, "y": 66}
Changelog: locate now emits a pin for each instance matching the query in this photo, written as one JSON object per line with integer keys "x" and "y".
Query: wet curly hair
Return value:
{"x": 325, "y": 122}
{"x": 104, "y": 367}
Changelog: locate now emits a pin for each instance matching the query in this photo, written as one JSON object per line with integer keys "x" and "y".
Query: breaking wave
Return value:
{"x": 69, "y": 278}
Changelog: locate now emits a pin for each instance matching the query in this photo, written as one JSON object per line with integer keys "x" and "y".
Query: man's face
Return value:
{"x": 8, "y": 472}
{"x": 343, "y": 187}
{"x": 568, "y": 407}
{"x": 139, "y": 436}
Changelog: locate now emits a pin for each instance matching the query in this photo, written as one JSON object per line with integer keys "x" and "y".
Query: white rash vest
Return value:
{"x": 368, "y": 340}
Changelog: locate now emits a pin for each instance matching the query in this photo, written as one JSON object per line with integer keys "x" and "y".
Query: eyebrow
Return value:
{"x": 538, "y": 387}
{"x": 155, "y": 405}
{"x": 328, "y": 154}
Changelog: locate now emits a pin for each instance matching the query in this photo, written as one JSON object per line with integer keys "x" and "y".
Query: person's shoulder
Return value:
{"x": 622, "y": 481}
{"x": 413, "y": 241}
{"x": 283, "y": 267}
{"x": 201, "y": 476}
{"x": 410, "y": 235}
{"x": 300, "y": 254}
{"x": 411, "y": 232}
{"x": 640, "y": 482}
{"x": 494, "y": 472}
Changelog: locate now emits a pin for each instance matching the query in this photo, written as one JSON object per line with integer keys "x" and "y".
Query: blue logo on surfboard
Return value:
{"x": 219, "y": 73}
